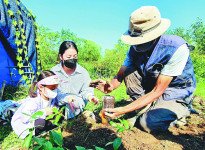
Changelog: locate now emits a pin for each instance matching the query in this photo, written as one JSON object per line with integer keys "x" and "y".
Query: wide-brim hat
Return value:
{"x": 145, "y": 25}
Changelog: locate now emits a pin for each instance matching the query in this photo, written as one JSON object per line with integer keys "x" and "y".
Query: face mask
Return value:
{"x": 70, "y": 63}
{"x": 51, "y": 93}
{"x": 144, "y": 47}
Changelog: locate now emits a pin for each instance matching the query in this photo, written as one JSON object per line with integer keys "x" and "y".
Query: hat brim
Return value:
{"x": 148, "y": 36}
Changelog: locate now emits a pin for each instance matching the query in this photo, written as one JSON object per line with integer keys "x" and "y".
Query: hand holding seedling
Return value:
{"x": 93, "y": 99}
{"x": 103, "y": 86}
{"x": 113, "y": 112}
{"x": 72, "y": 105}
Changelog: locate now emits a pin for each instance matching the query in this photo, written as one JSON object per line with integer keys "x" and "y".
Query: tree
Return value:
{"x": 198, "y": 35}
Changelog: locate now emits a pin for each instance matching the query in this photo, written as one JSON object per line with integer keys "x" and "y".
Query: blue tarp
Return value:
{"x": 8, "y": 47}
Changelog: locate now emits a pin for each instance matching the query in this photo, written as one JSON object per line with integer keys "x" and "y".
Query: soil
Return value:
{"x": 88, "y": 133}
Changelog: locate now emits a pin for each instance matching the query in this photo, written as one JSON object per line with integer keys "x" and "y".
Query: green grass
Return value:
{"x": 9, "y": 139}
{"x": 200, "y": 89}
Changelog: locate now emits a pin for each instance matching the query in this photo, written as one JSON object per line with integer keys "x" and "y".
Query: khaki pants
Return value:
{"x": 158, "y": 115}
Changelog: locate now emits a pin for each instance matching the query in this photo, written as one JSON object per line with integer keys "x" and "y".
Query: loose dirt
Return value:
{"x": 87, "y": 133}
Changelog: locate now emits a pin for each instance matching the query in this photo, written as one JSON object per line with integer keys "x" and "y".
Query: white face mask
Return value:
{"x": 51, "y": 93}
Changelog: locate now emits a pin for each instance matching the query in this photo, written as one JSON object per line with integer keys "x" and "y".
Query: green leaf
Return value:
{"x": 6, "y": 2}
{"x": 11, "y": 13}
{"x": 113, "y": 124}
{"x": 120, "y": 121}
{"x": 61, "y": 110}
{"x": 116, "y": 143}
{"x": 17, "y": 33}
{"x": 120, "y": 130}
{"x": 22, "y": 30}
{"x": 19, "y": 50}
{"x": 56, "y": 137}
{"x": 55, "y": 110}
{"x": 25, "y": 77}
{"x": 27, "y": 59}
{"x": 29, "y": 15}
{"x": 40, "y": 141}
{"x": 25, "y": 52}
{"x": 57, "y": 148}
{"x": 47, "y": 146}
{"x": 18, "y": 42}
{"x": 19, "y": 12}
{"x": 27, "y": 141}
{"x": 14, "y": 22}
{"x": 80, "y": 148}
{"x": 34, "y": 23}
{"x": 19, "y": 58}
{"x": 24, "y": 42}
{"x": 50, "y": 116}
{"x": 108, "y": 143}
{"x": 57, "y": 119}
{"x": 38, "y": 113}
{"x": 119, "y": 127}
{"x": 28, "y": 81}
{"x": 99, "y": 148}
{"x": 20, "y": 64}
{"x": 126, "y": 124}
{"x": 17, "y": 2}
{"x": 21, "y": 71}
{"x": 37, "y": 148}
{"x": 23, "y": 37}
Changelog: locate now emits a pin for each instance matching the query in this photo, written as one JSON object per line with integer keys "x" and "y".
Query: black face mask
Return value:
{"x": 70, "y": 63}
{"x": 144, "y": 47}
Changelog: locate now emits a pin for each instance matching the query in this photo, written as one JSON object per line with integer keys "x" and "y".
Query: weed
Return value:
{"x": 55, "y": 136}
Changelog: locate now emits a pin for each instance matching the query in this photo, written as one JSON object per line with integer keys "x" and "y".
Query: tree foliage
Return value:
{"x": 112, "y": 60}
{"x": 107, "y": 65}
{"x": 195, "y": 36}
{"x": 49, "y": 43}
{"x": 198, "y": 35}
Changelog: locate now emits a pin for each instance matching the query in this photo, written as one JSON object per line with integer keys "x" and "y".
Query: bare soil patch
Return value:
{"x": 88, "y": 133}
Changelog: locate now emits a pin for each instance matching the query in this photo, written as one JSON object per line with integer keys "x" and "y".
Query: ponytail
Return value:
{"x": 42, "y": 75}
{"x": 31, "y": 90}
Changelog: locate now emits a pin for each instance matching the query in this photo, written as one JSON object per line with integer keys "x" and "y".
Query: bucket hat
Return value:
{"x": 145, "y": 25}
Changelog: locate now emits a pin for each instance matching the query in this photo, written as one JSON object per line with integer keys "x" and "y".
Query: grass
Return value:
{"x": 200, "y": 89}
{"x": 15, "y": 92}
{"x": 8, "y": 138}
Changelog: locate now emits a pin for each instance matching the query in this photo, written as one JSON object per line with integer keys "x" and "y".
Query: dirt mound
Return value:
{"x": 88, "y": 134}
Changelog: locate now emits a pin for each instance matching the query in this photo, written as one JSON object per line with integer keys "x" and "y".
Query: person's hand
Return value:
{"x": 103, "y": 86}
{"x": 49, "y": 111}
{"x": 72, "y": 105}
{"x": 70, "y": 99}
{"x": 93, "y": 99}
{"x": 113, "y": 112}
